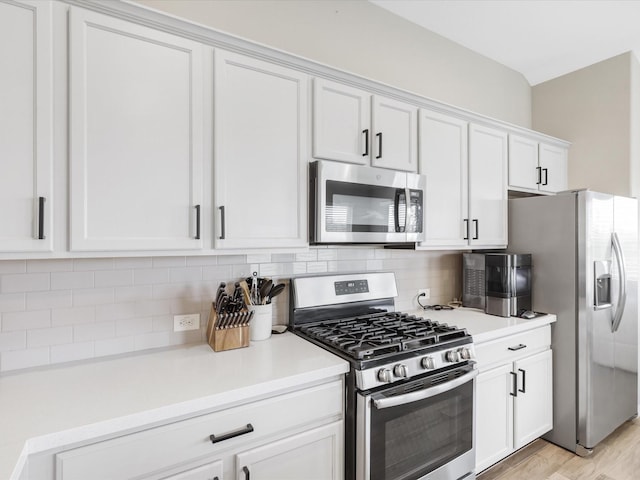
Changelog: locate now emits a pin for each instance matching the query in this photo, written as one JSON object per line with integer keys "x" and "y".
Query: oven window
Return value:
{"x": 354, "y": 207}
{"x": 409, "y": 441}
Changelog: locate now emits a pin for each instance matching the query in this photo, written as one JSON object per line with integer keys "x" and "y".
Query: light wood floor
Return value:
{"x": 616, "y": 458}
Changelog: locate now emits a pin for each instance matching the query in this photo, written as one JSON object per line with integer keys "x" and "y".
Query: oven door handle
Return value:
{"x": 386, "y": 402}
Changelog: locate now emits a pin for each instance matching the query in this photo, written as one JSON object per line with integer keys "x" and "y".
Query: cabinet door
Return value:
{"x": 313, "y": 455}
{"x": 135, "y": 136}
{"x": 523, "y": 163}
{"x": 487, "y": 187}
{"x": 25, "y": 127}
{"x": 341, "y": 122}
{"x": 260, "y": 164}
{"x": 553, "y": 162}
{"x": 443, "y": 159}
{"x": 533, "y": 411}
{"x": 494, "y": 416}
{"x": 395, "y": 130}
{"x": 210, "y": 471}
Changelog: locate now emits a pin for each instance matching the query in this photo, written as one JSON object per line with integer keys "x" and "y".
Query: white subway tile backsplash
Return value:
{"x": 72, "y": 352}
{"x": 13, "y": 266}
{"x": 50, "y": 265}
{"x": 133, "y": 326}
{"x": 92, "y": 264}
{"x": 93, "y": 296}
{"x": 169, "y": 262}
{"x": 150, "y": 276}
{"x": 18, "y": 359}
{"x": 59, "y": 310}
{"x": 75, "y": 280}
{"x": 13, "y": 341}
{"x": 42, "y": 337}
{"x": 113, "y": 346}
{"x": 128, "y": 263}
{"x": 113, "y": 278}
{"x": 28, "y": 282}
{"x": 94, "y": 331}
{"x": 134, "y": 293}
{"x": 52, "y": 299}
{"x": 13, "y": 321}
{"x": 12, "y": 302}
{"x": 73, "y": 316}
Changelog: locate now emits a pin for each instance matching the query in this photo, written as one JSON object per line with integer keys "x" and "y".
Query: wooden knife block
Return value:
{"x": 225, "y": 338}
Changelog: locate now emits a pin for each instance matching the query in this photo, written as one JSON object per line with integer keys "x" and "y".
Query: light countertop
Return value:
{"x": 484, "y": 327}
{"x": 58, "y": 406}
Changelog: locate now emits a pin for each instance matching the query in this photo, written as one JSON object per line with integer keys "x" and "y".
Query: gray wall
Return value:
{"x": 595, "y": 108}
{"x": 362, "y": 38}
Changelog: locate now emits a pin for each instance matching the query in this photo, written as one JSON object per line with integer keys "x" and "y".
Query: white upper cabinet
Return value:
{"x": 26, "y": 97}
{"x": 536, "y": 166}
{"x": 260, "y": 150}
{"x": 136, "y": 119}
{"x": 341, "y": 122}
{"x": 553, "y": 167}
{"x": 444, "y": 160}
{"x": 351, "y": 125}
{"x": 395, "y": 134}
{"x": 488, "y": 200}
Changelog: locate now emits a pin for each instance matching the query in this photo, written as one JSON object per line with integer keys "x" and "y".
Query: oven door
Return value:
{"x": 423, "y": 429}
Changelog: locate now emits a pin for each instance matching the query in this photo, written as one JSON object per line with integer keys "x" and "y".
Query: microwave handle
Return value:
{"x": 407, "y": 201}
{"x": 396, "y": 209}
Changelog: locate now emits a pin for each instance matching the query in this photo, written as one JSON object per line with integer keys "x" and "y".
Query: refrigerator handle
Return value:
{"x": 622, "y": 290}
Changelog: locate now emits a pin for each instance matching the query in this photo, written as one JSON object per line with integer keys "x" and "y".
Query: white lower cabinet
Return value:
{"x": 294, "y": 435}
{"x": 313, "y": 455}
{"x": 514, "y": 403}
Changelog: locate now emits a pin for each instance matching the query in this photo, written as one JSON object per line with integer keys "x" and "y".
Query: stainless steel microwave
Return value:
{"x": 357, "y": 204}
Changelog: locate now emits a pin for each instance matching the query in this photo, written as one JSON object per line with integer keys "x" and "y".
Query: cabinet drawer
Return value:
{"x": 513, "y": 347}
{"x": 157, "y": 449}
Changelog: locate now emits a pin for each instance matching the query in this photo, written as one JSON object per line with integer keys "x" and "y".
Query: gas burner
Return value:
{"x": 371, "y": 336}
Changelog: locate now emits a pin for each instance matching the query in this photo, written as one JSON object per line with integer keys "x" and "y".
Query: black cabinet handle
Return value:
{"x": 466, "y": 229}
{"x": 197, "y": 222}
{"x": 514, "y": 384}
{"x": 476, "y": 235}
{"x": 222, "y": 222}
{"x": 379, "y": 135}
{"x": 524, "y": 380}
{"x": 546, "y": 175}
{"x": 235, "y": 433}
{"x": 366, "y": 142}
{"x": 41, "y": 201}
{"x": 539, "y": 171}
{"x": 517, "y": 347}
{"x": 247, "y": 474}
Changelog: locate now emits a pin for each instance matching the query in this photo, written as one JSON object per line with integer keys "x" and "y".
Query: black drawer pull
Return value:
{"x": 222, "y": 221}
{"x": 524, "y": 381}
{"x": 197, "y": 222}
{"x": 227, "y": 436}
{"x": 41, "y": 201}
{"x": 518, "y": 347}
{"x": 366, "y": 142}
{"x": 247, "y": 474}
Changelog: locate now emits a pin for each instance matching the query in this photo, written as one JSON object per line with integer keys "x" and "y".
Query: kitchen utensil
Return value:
{"x": 254, "y": 289}
{"x": 275, "y": 291}
{"x": 265, "y": 289}
{"x": 220, "y": 291}
{"x": 245, "y": 292}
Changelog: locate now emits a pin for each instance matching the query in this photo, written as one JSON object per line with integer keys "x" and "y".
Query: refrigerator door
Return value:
{"x": 607, "y": 359}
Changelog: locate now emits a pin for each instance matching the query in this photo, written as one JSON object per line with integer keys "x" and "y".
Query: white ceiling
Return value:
{"x": 542, "y": 39}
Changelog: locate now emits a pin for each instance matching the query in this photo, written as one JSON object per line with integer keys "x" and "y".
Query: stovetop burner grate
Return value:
{"x": 380, "y": 334}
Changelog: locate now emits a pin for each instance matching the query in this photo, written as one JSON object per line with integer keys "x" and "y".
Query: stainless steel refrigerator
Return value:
{"x": 584, "y": 248}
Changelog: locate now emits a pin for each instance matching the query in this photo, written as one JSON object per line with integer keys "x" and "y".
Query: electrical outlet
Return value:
{"x": 427, "y": 293}
{"x": 182, "y": 323}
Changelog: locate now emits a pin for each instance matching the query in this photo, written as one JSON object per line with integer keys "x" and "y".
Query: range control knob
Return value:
{"x": 465, "y": 353}
{"x": 452, "y": 356}
{"x": 428, "y": 363}
{"x": 384, "y": 375}
{"x": 401, "y": 371}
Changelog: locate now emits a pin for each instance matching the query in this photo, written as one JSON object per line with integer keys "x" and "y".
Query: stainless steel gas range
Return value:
{"x": 410, "y": 392}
